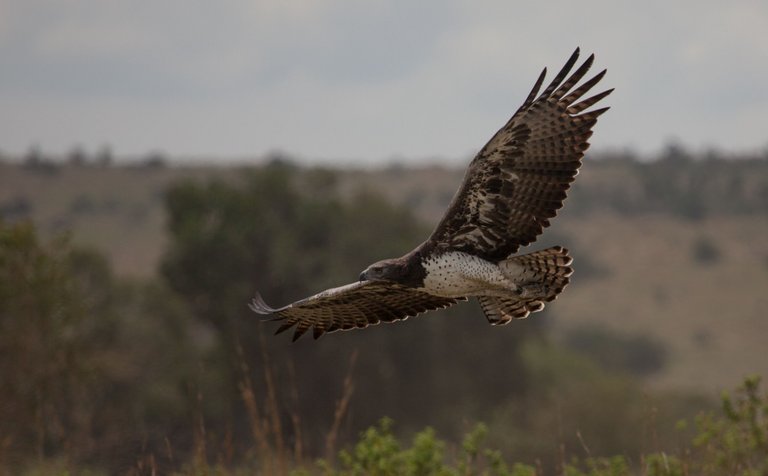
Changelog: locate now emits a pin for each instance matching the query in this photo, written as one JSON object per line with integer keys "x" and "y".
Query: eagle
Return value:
{"x": 511, "y": 190}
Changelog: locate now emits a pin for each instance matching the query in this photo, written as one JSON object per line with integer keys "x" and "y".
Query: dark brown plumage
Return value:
{"x": 511, "y": 190}
{"x": 353, "y": 306}
{"x": 518, "y": 181}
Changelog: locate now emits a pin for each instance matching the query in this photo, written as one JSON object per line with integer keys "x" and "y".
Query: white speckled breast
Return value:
{"x": 457, "y": 274}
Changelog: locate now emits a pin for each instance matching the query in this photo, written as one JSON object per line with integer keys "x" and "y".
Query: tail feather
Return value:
{"x": 539, "y": 276}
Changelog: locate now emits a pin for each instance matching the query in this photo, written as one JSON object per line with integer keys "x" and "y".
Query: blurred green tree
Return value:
{"x": 91, "y": 369}
{"x": 43, "y": 335}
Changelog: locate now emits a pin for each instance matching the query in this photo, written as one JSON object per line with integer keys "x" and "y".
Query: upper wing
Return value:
{"x": 355, "y": 305}
{"x": 518, "y": 181}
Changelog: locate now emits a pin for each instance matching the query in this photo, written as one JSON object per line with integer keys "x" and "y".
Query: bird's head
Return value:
{"x": 385, "y": 270}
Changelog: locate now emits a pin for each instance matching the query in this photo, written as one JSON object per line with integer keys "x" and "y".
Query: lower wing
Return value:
{"x": 353, "y": 306}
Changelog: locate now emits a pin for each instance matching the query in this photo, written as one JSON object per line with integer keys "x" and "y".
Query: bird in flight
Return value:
{"x": 512, "y": 188}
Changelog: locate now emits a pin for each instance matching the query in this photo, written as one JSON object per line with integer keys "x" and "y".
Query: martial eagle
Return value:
{"x": 512, "y": 188}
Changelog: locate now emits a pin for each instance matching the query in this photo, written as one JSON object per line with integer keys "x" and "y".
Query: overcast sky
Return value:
{"x": 345, "y": 80}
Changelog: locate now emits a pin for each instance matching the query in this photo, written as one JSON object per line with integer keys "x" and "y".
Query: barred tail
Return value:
{"x": 539, "y": 276}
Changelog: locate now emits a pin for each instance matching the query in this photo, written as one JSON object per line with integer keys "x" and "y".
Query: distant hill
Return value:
{"x": 675, "y": 249}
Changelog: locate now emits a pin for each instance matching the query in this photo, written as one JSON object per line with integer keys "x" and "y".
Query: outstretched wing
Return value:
{"x": 353, "y": 306}
{"x": 518, "y": 181}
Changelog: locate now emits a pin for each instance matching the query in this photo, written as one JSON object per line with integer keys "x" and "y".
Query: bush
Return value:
{"x": 378, "y": 452}
{"x": 635, "y": 354}
{"x": 734, "y": 443}
{"x": 705, "y": 252}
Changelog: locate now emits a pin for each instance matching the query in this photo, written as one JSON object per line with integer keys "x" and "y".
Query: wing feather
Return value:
{"x": 535, "y": 90}
{"x": 519, "y": 179}
{"x": 577, "y": 108}
{"x": 575, "y": 77}
{"x": 353, "y": 306}
{"x": 560, "y": 76}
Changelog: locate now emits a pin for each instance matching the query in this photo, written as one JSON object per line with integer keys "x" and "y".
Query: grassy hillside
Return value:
{"x": 675, "y": 250}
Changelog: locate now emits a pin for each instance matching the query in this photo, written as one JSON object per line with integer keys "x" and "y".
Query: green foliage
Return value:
{"x": 91, "y": 368}
{"x": 44, "y": 340}
{"x": 733, "y": 442}
{"x": 736, "y": 442}
{"x": 660, "y": 464}
{"x": 586, "y": 407}
{"x": 378, "y": 452}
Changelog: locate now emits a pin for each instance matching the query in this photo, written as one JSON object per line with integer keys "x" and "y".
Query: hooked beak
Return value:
{"x": 363, "y": 276}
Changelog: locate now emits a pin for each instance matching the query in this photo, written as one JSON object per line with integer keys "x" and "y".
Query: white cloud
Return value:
{"x": 339, "y": 79}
